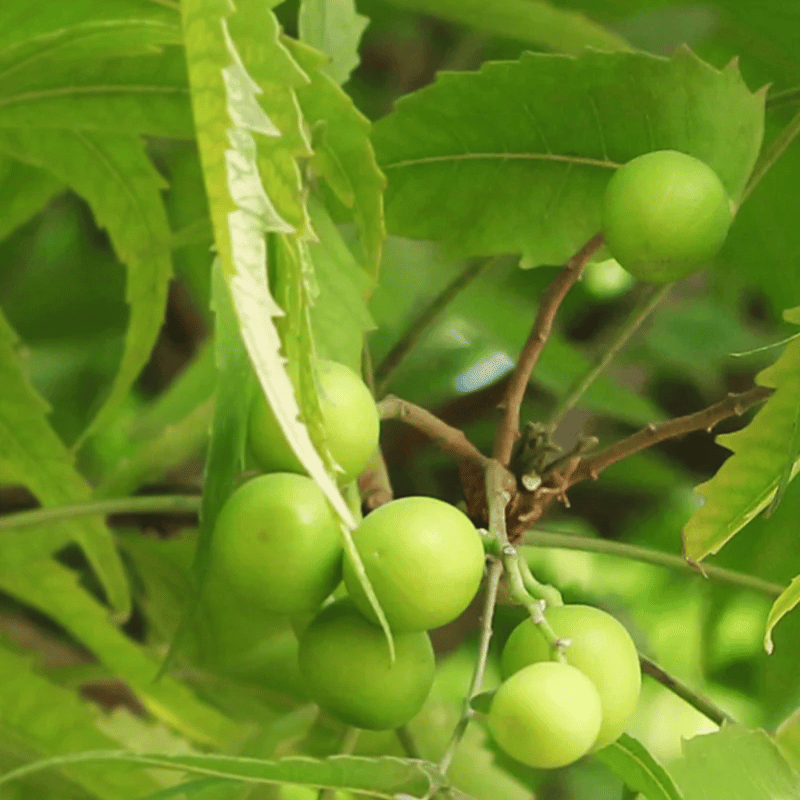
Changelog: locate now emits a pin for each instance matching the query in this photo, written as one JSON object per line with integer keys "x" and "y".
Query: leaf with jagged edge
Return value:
{"x": 787, "y": 600}
{"x": 383, "y": 776}
{"x": 333, "y": 27}
{"x": 25, "y": 191}
{"x": 31, "y": 454}
{"x": 231, "y": 127}
{"x": 343, "y": 153}
{"x": 122, "y": 187}
{"x": 541, "y": 136}
{"x": 48, "y": 720}
{"x": 765, "y": 457}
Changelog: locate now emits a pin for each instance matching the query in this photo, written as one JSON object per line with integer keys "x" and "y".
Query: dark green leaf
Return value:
{"x": 639, "y": 771}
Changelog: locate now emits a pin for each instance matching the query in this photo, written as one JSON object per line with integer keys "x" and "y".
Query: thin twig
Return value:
{"x": 451, "y": 440}
{"x": 145, "y": 504}
{"x": 553, "y": 296}
{"x": 776, "y": 149}
{"x": 657, "y": 294}
{"x": 489, "y": 603}
{"x": 569, "y": 541}
{"x": 421, "y": 323}
{"x": 698, "y": 701}
{"x": 374, "y": 485}
{"x": 734, "y": 405}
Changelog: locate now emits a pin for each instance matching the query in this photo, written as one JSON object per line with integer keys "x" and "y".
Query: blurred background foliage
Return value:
{"x": 63, "y": 291}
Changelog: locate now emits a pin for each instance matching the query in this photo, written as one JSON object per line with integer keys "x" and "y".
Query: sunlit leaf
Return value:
{"x": 639, "y": 771}
{"x": 782, "y": 606}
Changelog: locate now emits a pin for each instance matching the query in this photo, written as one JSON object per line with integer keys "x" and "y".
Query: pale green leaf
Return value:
{"x": 113, "y": 174}
{"x": 333, "y": 27}
{"x": 541, "y": 136}
{"x": 343, "y": 153}
{"x": 532, "y": 21}
{"x": 31, "y": 454}
{"x": 384, "y": 776}
{"x": 748, "y": 481}
{"x": 735, "y": 764}
{"x": 788, "y": 738}
{"x": 55, "y": 591}
{"x": 629, "y": 760}
{"x": 788, "y": 599}
{"x": 43, "y": 719}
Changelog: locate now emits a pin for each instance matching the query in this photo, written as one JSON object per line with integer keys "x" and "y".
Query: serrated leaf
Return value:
{"x": 334, "y": 27}
{"x": 31, "y": 454}
{"x": 25, "y": 191}
{"x": 384, "y": 776}
{"x": 788, "y": 599}
{"x": 629, "y": 760}
{"x": 45, "y": 719}
{"x": 525, "y": 20}
{"x": 55, "y": 591}
{"x": 748, "y": 481}
{"x": 541, "y": 137}
{"x": 343, "y": 155}
{"x": 145, "y": 94}
{"x": 735, "y": 764}
{"x": 113, "y": 174}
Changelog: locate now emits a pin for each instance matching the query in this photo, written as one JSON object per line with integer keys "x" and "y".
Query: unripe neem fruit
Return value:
{"x": 277, "y": 543}
{"x": 665, "y": 215}
{"x": 547, "y": 715}
{"x": 424, "y": 560}
{"x": 350, "y": 420}
{"x": 345, "y": 662}
{"x": 600, "y": 648}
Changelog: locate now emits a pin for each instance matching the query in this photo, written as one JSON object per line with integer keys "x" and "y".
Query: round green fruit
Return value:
{"x": 424, "y": 560}
{"x": 665, "y": 215}
{"x": 600, "y": 648}
{"x": 277, "y": 544}
{"x": 350, "y": 420}
{"x": 547, "y": 715}
{"x": 345, "y": 662}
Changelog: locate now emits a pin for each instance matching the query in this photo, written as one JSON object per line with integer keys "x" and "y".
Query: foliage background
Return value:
{"x": 104, "y": 200}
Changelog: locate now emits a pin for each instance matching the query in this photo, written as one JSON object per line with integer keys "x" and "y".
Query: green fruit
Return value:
{"x": 345, "y": 662}
{"x": 424, "y": 559}
{"x": 665, "y": 215}
{"x": 600, "y": 648}
{"x": 547, "y": 715}
{"x": 350, "y": 420}
{"x": 277, "y": 544}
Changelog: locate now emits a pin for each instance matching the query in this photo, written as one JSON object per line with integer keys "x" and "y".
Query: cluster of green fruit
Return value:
{"x": 278, "y": 546}
{"x": 548, "y": 713}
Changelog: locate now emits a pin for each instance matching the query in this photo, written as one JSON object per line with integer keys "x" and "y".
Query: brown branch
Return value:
{"x": 553, "y": 296}
{"x": 451, "y": 440}
{"x": 374, "y": 485}
{"x": 734, "y": 405}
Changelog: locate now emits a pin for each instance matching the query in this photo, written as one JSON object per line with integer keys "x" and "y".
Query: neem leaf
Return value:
{"x": 787, "y": 600}
{"x": 631, "y": 762}
{"x": 541, "y": 136}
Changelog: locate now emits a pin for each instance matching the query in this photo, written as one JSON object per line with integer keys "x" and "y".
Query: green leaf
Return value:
{"x": 113, "y": 174}
{"x": 629, "y": 760}
{"x": 55, "y": 590}
{"x": 541, "y": 135}
{"x": 384, "y": 777}
{"x": 788, "y": 738}
{"x": 735, "y": 764}
{"x": 146, "y": 94}
{"x": 83, "y": 29}
{"x": 339, "y": 314}
{"x": 25, "y": 191}
{"x": 788, "y": 599}
{"x": 334, "y": 28}
{"x": 343, "y": 153}
{"x": 530, "y": 21}
{"x": 748, "y": 481}
{"x": 41, "y": 718}
{"x": 32, "y": 455}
